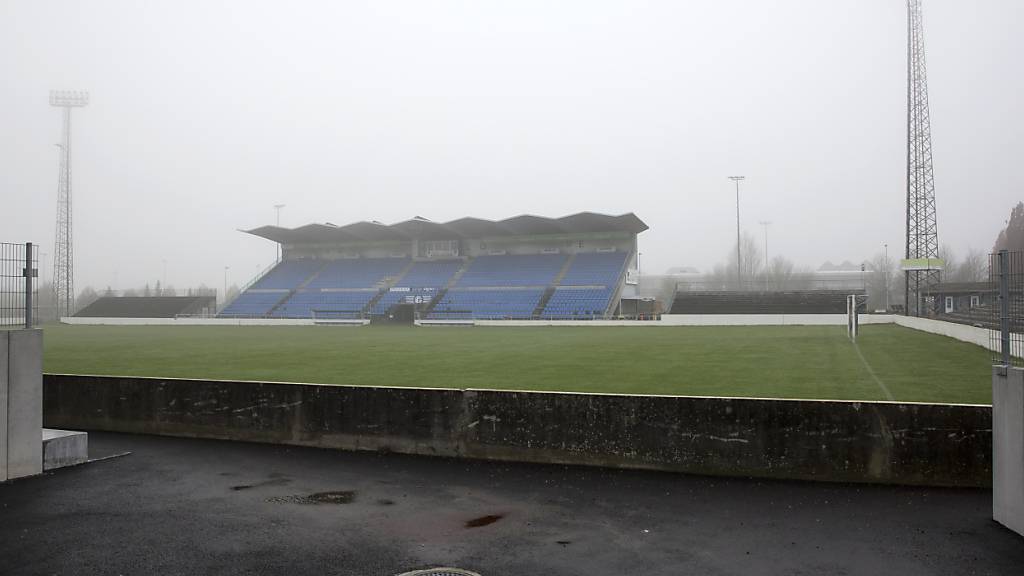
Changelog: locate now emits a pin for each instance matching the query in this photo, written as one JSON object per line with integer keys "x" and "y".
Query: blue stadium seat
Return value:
{"x": 347, "y": 304}
{"x": 288, "y": 275}
{"x": 253, "y": 304}
{"x": 595, "y": 269}
{"x": 357, "y": 273}
{"x": 513, "y": 270}
{"x": 578, "y": 302}
{"x": 488, "y": 304}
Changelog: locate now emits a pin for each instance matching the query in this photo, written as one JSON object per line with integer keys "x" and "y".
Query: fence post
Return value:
{"x": 1004, "y": 305}
{"x": 28, "y": 272}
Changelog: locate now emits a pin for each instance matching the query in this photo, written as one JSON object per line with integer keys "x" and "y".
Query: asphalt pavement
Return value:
{"x": 183, "y": 506}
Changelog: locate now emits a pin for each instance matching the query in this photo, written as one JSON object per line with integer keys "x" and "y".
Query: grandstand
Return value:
{"x": 520, "y": 268}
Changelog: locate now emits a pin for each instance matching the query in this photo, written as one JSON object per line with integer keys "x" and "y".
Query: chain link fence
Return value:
{"x": 18, "y": 270}
{"x": 1006, "y": 279}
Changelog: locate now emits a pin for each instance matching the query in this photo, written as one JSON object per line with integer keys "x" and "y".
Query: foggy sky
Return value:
{"x": 205, "y": 114}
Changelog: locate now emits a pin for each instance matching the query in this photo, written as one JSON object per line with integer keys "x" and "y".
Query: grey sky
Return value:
{"x": 205, "y": 114}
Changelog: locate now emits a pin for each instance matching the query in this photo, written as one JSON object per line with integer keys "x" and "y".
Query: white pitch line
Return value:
{"x": 878, "y": 381}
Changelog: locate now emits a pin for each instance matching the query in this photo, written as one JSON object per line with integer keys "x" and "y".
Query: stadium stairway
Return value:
{"x": 543, "y": 302}
{"x": 434, "y": 301}
{"x": 546, "y": 297}
{"x": 388, "y": 283}
{"x": 295, "y": 290}
{"x": 429, "y": 309}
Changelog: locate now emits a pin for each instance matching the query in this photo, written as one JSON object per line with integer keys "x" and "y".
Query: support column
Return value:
{"x": 24, "y": 396}
{"x": 1008, "y": 447}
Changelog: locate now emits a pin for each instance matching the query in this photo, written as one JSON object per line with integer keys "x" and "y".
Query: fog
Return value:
{"x": 204, "y": 115}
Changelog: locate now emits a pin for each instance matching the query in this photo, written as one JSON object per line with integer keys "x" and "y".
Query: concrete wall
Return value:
{"x": 693, "y": 320}
{"x": 962, "y": 332}
{"x": 946, "y": 445}
{"x": 1008, "y": 447}
{"x": 21, "y": 370}
{"x": 769, "y": 319}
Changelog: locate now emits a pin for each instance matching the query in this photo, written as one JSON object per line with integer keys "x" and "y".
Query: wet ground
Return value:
{"x": 178, "y": 506}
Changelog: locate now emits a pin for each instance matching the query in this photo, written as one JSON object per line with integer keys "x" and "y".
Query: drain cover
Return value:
{"x": 440, "y": 572}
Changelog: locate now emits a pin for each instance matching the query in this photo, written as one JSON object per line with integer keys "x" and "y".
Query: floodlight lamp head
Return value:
{"x": 69, "y": 98}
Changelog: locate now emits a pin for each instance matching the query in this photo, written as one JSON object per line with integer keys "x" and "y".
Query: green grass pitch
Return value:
{"x": 756, "y": 361}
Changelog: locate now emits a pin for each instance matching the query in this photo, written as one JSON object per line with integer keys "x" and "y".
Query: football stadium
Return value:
{"x": 508, "y": 392}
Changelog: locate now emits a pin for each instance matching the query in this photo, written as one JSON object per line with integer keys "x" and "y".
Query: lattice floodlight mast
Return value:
{"x": 64, "y": 255}
{"x": 921, "y": 266}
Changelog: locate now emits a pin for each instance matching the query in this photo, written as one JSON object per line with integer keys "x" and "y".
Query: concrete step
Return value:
{"x": 64, "y": 448}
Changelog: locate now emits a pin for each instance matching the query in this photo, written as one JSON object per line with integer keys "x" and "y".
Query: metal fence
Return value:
{"x": 1006, "y": 276}
{"x": 19, "y": 266}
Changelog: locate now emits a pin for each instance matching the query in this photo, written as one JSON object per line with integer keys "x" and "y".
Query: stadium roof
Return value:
{"x": 421, "y": 228}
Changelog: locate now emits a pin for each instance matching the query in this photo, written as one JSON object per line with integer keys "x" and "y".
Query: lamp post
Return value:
{"x": 226, "y": 268}
{"x": 278, "y": 208}
{"x": 886, "y": 264}
{"x": 739, "y": 273}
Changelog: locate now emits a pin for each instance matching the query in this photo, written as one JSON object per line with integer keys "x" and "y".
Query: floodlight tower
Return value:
{"x": 64, "y": 255}
{"x": 921, "y": 265}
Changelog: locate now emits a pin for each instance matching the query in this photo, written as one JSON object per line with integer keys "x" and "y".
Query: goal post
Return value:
{"x": 852, "y": 316}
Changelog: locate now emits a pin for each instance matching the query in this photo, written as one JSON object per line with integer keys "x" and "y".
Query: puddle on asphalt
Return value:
{"x": 333, "y": 497}
{"x": 484, "y": 520}
{"x": 385, "y": 502}
{"x": 273, "y": 482}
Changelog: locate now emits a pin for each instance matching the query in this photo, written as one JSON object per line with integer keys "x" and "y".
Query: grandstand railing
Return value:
{"x": 19, "y": 267}
{"x": 251, "y": 282}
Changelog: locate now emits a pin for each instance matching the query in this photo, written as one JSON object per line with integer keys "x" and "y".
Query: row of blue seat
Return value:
{"x": 315, "y": 284}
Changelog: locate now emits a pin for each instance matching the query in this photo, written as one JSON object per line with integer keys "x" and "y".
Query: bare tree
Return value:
{"x": 779, "y": 274}
{"x": 974, "y": 267}
{"x": 882, "y": 281}
{"x": 87, "y": 296}
{"x": 950, "y": 273}
{"x": 751, "y": 261}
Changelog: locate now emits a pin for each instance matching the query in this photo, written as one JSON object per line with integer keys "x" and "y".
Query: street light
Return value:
{"x": 739, "y": 273}
{"x": 278, "y": 208}
{"x": 886, "y": 264}
{"x": 226, "y": 268}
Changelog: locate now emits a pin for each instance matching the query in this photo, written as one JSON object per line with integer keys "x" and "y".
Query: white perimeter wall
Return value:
{"x": 962, "y": 332}
{"x": 188, "y": 321}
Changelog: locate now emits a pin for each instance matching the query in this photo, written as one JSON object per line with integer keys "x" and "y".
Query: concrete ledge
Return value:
{"x": 881, "y": 442}
{"x": 64, "y": 448}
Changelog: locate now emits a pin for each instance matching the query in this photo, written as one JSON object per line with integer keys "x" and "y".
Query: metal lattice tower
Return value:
{"x": 64, "y": 254}
{"x": 922, "y": 232}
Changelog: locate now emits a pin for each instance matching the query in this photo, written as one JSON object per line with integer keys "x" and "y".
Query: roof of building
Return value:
{"x": 423, "y": 229}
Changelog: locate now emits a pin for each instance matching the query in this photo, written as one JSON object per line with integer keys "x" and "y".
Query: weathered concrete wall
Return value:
{"x": 1008, "y": 447}
{"x": 21, "y": 399}
{"x": 945, "y": 445}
